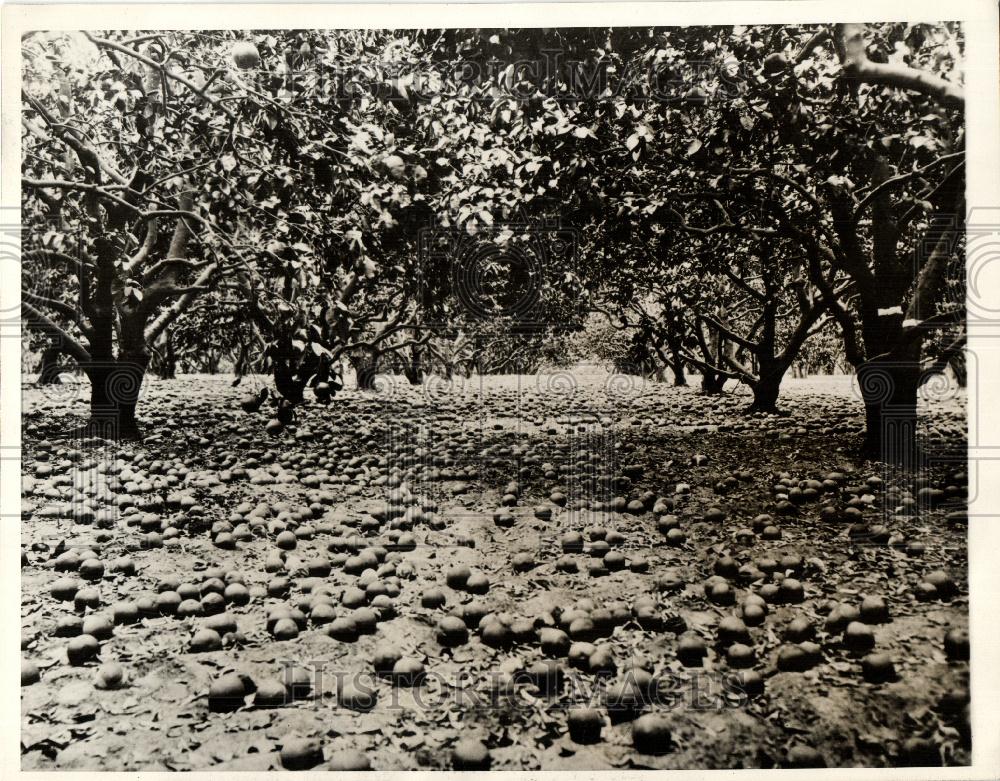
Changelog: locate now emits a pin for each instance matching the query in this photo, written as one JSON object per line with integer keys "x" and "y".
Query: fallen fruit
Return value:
{"x": 878, "y": 668}
{"x": 109, "y": 675}
{"x": 82, "y": 649}
{"x": 470, "y": 754}
{"x": 956, "y": 644}
{"x": 271, "y": 693}
{"x": 585, "y": 725}
{"x": 29, "y": 673}
{"x": 300, "y": 753}
{"x": 348, "y": 760}
{"x": 804, "y": 757}
{"x": 227, "y": 693}
{"x": 651, "y": 734}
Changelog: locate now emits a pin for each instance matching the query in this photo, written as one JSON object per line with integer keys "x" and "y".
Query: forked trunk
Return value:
{"x": 713, "y": 382}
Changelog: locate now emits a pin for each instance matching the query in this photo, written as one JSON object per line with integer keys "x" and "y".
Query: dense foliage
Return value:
{"x": 469, "y": 199}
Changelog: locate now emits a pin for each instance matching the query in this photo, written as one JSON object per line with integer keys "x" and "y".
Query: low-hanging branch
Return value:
{"x": 61, "y": 338}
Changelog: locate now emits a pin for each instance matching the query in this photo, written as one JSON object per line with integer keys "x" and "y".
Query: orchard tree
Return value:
{"x": 159, "y": 166}
{"x": 844, "y": 140}
{"x": 876, "y": 122}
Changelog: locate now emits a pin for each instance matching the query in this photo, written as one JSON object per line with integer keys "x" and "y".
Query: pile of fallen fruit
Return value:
{"x": 515, "y": 578}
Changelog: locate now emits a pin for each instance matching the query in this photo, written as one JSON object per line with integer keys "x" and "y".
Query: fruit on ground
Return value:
{"x": 799, "y": 629}
{"x": 956, "y": 644}
{"x": 227, "y": 693}
{"x": 384, "y": 658}
{"x": 64, "y": 589}
{"x": 457, "y": 577}
{"x": 746, "y": 683}
{"x": 874, "y": 610}
{"x": 98, "y": 626}
{"x": 82, "y": 649}
{"x": 625, "y": 697}
{"x": 651, "y": 734}
{"x": 919, "y": 752}
{"x": 110, "y": 675}
{"x": 878, "y": 668}
{"x": 585, "y": 725}
{"x": 731, "y": 630}
{"x": 803, "y": 757}
{"x": 554, "y": 642}
{"x": 546, "y": 675}
{"x": 285, "y": 629}
{"x": 407, "y": 672}
{"x": 271, "y": 693}
{"x": 300, "y": 753}
{"x": 451, "y": 632}
{"x": 858, "y": 637}
{"x": 358, "y": 693}
{"x": 29, "y": 673}
{"x": 348, "y": 760}
{"x": 797, "y": 658}
{"x": 740, "y": 655}
{"x": 691, "y": 649}
{"x": 470, "y": 754}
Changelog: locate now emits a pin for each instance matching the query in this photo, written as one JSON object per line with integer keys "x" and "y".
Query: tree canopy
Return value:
{"x": 295, "y": 198}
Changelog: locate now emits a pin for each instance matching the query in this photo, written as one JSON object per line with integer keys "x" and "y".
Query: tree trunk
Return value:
{"x": 365, "y": 368}
{"x": 889, "y": 390}
{"x": 49, "y": 368}
{"x": 414, "y": 368}
{"x": 712, "y": 382}
{"x": 960, "y": 369}
{"x": 768, "y": 386}
{"x": 287, "y": 382}
{"x": 677, "y": 367}
{"x": 164, "y": 361}
{"x": 114, "y": 394}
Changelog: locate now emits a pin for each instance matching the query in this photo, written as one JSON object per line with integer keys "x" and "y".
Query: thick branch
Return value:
{"x": 851, "y": 48}
{"x": 180, "y": 305}
{"x": 45, "y": 325}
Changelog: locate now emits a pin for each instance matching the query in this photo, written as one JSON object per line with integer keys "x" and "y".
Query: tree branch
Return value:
{"x": 103, "y": 43}
{"x": 851, "y": 47}
{"x": 45, "y": 325}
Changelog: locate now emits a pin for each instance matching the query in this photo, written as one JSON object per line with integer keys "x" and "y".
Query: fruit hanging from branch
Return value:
{"x": 245, "y": 55}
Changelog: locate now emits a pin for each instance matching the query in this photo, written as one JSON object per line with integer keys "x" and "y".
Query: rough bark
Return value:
{"x": 768, "y": 386}
{"x": 114, "y": 394}
{"x": 889, "y": 390}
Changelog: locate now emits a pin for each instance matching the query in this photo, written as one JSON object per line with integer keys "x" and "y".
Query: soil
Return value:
{"x": 455, "y": 448}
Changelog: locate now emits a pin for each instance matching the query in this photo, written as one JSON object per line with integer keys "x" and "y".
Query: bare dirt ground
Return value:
{"x": 331, "y": 552}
